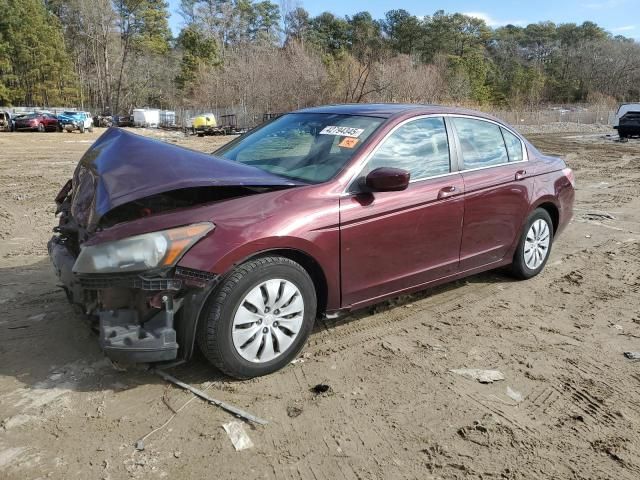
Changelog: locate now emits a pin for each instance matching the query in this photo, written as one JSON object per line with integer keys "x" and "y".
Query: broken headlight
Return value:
{"x": 141, "y": 252}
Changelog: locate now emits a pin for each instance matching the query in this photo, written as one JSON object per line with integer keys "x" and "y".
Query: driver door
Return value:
{"x": 394, "y": 241}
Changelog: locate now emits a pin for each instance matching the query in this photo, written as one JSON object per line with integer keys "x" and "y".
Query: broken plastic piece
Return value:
{"x": 238, "y": 436}
{"x": 483, "y": 376}
{"x": 514, "y": 395}
{"x": 632, "y": 355}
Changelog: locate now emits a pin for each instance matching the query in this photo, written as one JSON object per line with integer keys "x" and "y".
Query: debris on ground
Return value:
{"x": 482, "y": 376}
{"x": 139, "y": 445}
{"x": 598, "y": 216}
{"x": 225, "y": 406}
{"x": 514, "y": 395}
{"x": 238, "y": 436}
{"x": 632, "y": 355}
{"x": 320, "y": 388}
{"x": 293, "y": 411}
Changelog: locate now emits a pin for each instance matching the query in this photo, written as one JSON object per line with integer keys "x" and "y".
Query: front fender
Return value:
{"x": 214, "y": 255}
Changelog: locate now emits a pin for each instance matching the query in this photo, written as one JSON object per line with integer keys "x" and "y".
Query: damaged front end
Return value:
{"x": 143, "y": 304}
{"x": 131, "y": 289}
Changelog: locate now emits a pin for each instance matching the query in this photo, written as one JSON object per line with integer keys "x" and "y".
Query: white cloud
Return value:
{"x": 492, "y": 22}
{"x": 626, "y": 28}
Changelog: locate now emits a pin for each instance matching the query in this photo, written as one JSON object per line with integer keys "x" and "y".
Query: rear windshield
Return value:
{"x": 311, "y": 147}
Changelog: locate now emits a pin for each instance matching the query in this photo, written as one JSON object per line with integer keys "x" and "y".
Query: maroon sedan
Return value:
{"x": 318, "y": 212}
{"x": 37, "y": 122}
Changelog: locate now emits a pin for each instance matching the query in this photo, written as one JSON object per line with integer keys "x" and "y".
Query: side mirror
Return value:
{"x": 387, "y": 179}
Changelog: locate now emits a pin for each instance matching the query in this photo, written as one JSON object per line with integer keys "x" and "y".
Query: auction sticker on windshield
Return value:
{"x": 342, "y": 131}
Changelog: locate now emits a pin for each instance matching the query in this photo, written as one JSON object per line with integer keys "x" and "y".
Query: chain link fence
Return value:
{"x": 248, "y": 117}
{"x": 585, "y": 116}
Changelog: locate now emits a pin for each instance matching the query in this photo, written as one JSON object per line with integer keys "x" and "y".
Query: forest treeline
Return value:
{"x": 113, "y": 55}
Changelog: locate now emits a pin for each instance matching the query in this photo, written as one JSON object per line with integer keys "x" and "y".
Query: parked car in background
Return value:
{"x": 71, "y": 120}
{"x": 6, "y": 121}
{"x": 39, "y": 121}
{"x": 628, "y": 120}
{"x": 318, "y": 212}
{"x": 123, "y": 120}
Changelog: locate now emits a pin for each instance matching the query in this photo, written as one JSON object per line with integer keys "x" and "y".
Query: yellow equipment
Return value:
{"x": 204, "y": 121}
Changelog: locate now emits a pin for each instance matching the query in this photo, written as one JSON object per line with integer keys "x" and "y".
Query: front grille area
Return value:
{"x": 195, "y": 274}
{"x": 99, "y": 282}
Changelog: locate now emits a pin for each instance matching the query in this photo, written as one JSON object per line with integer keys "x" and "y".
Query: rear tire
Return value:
{"x": 534, "y": 246}
{"x": 244, "y": 295}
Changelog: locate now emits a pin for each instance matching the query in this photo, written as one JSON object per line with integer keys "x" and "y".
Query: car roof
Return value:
{"x": 387, "y": 110}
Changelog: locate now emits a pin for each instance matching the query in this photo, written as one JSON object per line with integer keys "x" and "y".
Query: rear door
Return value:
{"x": 391, "y": 241}
{"x": 497, "y": 190}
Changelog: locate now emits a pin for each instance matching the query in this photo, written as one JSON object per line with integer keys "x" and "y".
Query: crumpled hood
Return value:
{"x": 121, "y": 167}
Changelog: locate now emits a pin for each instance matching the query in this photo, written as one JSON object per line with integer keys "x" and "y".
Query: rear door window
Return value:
{"x": 419, "y": 146}
{"x": 514, "y": 146}
{"x": 481, "y": 143}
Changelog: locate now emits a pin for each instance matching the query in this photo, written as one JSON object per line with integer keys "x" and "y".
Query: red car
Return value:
{"x": 318, "y": 212}
{"x": 40, "y": 122}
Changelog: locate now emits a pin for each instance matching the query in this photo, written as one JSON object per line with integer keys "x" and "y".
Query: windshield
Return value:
{"x": 311, "y": 147}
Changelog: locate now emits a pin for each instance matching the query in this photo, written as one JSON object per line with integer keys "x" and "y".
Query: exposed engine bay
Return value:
{"x": 167, "y": 201}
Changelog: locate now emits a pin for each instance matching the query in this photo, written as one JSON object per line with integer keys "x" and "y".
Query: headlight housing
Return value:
{"x": 141, "y": 252}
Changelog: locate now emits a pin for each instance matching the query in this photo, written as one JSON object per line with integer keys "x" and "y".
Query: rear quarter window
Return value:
{"x": 481, "y": 143}
{"x": 514, "y": 146}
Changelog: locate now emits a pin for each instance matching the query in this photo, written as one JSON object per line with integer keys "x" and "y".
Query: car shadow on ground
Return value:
{"x": 47, "y": 342}
{"x": 494, "y": 276}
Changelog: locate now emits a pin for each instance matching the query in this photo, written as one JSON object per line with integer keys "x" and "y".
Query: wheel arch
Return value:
{"x": 192, "y": 313}
{"x": 308, "y": 262}
{"x": 553, "y": 211}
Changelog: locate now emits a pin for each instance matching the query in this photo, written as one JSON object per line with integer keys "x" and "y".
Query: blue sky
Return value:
{"x": 617, "y": 16}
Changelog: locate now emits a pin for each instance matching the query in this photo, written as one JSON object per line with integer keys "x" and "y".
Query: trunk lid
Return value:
{"x": 122, "y": 167}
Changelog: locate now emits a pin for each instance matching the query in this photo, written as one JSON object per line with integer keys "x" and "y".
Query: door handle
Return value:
{"x": 521, "y": 174}
{"x": 447, "y": 192}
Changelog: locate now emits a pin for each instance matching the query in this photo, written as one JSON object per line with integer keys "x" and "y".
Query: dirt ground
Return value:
{"x": 568, "y": 407}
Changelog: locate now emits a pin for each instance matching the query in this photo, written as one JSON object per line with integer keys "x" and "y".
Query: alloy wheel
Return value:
{"x": 267, "y": 320}
{"x": 536, "y": 245}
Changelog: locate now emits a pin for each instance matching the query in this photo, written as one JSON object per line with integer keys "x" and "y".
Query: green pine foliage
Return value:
{"x": 35, "y": 68}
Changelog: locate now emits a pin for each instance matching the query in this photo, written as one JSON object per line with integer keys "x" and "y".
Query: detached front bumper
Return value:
{"x": 136, "y": 315}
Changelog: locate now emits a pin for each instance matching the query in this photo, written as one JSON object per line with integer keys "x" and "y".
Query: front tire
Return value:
{"x": 534, "y": 246}
{"x": 41, "y": 127}
{"x": 259, "y": 317}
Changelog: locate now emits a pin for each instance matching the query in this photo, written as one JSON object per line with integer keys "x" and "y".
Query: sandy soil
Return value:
{"x": 568, "y": 407}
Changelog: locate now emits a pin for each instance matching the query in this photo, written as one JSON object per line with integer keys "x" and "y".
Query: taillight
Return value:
{"x": 570, "y": 176}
